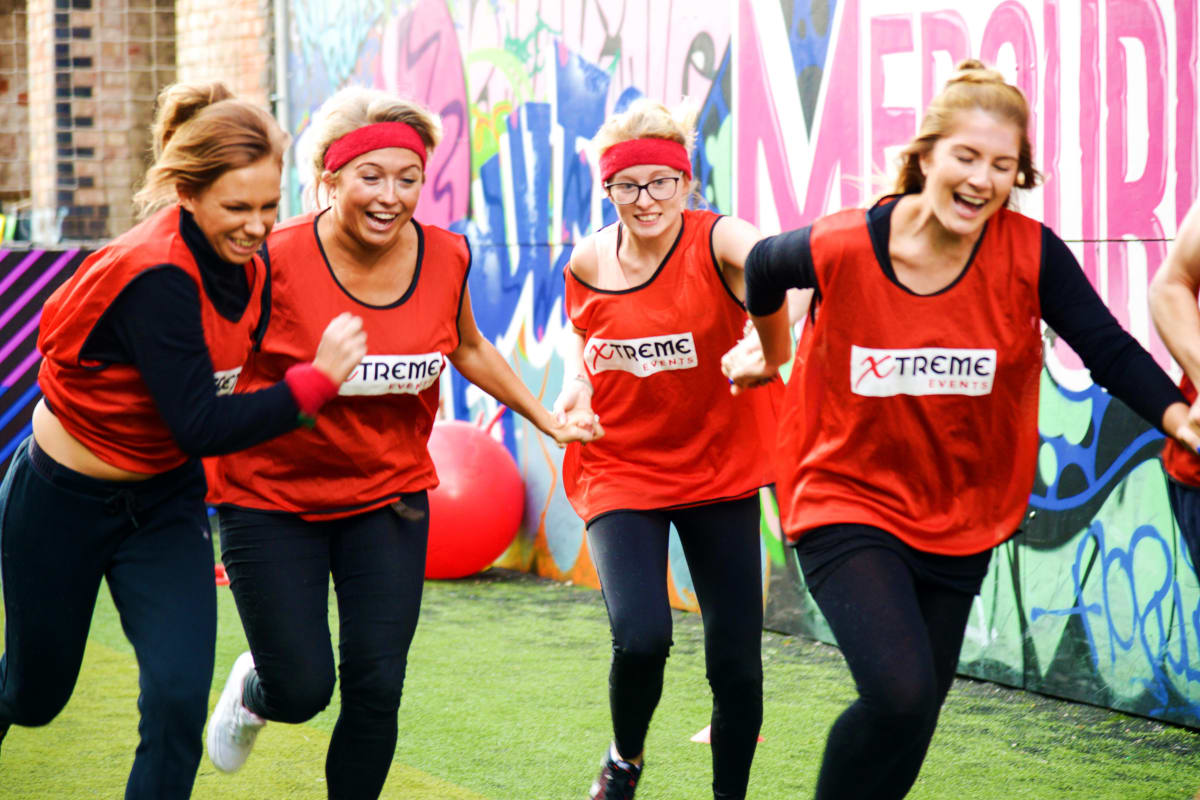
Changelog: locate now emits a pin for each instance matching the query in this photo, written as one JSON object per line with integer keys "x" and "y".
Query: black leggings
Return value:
{"x": 279, "y": 567}
{"x": 901, "y": 636}
{"x": 723, "y": 551}
{"x": 64, "y": 532}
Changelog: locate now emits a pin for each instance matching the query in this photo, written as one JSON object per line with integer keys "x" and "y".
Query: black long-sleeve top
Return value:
{"x": 155, "y": 325}
{"x": 1070, "y": 306}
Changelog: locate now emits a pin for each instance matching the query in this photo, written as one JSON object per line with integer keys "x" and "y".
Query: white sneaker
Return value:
{"x": 232, "y": 728}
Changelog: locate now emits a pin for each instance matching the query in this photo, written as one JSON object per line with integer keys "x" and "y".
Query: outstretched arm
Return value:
{"x": 1173, "y": 294}
{"x": 775, "y": 267}
{"x": 481, "y": 363}
{"x": 1071, "y": 307}
{"x": 574, "y": 401}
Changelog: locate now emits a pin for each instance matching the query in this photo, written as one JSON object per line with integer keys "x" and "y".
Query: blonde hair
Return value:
{"x": 200, "y": 132}
{"x": 648, "y": 119}
{"x": 973, "y": 86}
{"x": 355, "y": 107}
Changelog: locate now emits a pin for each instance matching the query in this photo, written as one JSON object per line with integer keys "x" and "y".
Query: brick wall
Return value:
{"x": 78, "y": 80}
{"x": 95, "y": 67}
{"x": 14, "y": 109}
{"x": 227, "y": 40}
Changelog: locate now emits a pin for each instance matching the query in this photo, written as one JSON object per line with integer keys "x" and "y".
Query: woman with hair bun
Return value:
{"x": 142, "y": 350}
{"x": 655, "y": 300}
{"x": 908, "y": 438}
{"x": 348, "y": 497}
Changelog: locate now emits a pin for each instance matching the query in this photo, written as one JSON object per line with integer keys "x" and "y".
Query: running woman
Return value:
{"x": 348, "y": 497}
{"x": 908, "y": 439}
{"x": 142, "y": 347}
{"x": 655, "y": 300}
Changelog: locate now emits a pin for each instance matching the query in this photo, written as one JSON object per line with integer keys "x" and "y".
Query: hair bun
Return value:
{"x": 181, "y": 102}
{"x": 972, "y": 70}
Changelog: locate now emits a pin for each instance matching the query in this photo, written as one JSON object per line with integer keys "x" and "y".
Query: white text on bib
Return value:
{"x": 641, "y": 357}
{"x": 406, "y": 374}
{"x": 921, "y": 371}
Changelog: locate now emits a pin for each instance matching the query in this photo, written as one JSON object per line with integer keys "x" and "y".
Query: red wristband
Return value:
{"x": 311, "y": 388}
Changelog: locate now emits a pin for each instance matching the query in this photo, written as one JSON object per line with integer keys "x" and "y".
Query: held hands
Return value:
{"x": 573, "y": 416}
{"x": 342, "y": 347}
{"x": 1184, "y": 424}
{"x": 744, "y": 365}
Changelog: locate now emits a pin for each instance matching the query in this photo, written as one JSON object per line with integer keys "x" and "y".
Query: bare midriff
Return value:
{"x": 56, "y": 442}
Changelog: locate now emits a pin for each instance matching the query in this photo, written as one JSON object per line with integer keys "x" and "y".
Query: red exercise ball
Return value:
{"x": 475, "y": 511}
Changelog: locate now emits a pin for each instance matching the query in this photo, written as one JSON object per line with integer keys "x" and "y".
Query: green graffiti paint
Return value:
{"x": 1060, "y": 416}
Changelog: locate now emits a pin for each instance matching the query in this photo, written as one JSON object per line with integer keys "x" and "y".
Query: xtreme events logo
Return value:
{"x": 641, "y": 357}
{"x": 920, "y": 371}
{"x": 404, "y": 374}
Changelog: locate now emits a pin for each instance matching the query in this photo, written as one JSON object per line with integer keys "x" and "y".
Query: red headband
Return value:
{"x": 373, "y": 137}
{"x": 644, "y": 151}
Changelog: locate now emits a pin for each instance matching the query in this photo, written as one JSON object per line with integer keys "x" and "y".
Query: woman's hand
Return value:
{"x": 576, "y": 394}
{"x": 1183, "y": 424}
{"x": 343, "y": 346}
{"x": 577, "y": 426}
{"x": 744, "y": 365}
{"x": 573, "y": 413}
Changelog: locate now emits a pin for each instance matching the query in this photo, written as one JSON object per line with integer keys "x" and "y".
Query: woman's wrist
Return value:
{"x": 311, "y": 388}
{"x": 585, "y": 381}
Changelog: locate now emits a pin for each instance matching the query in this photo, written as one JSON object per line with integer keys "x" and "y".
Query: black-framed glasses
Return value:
{"x": 659, "y": 189}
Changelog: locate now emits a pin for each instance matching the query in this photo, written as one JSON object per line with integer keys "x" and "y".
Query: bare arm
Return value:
{"x": 574, "y": 401}
{"x": 481, "y": 363}
{"x": 732, "y": 239}
{"x": 1173, "y": 293}
{"x": 758, "y": 356}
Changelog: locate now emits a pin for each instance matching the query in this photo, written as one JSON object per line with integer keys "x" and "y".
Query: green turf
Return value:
{"x": 506, "y": 700}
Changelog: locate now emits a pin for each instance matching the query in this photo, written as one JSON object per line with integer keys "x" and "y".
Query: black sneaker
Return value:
{"x": 616, "y": 780}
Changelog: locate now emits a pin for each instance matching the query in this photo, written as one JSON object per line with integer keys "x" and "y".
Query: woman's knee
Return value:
{"x": 737, "y": 680}
{"x": 642, "y": 649}
{"x": 910, "y": 700}
{"x": 641, "y": 635}
{"x": 34, "y": 712}
{"x": 298, "y": 697}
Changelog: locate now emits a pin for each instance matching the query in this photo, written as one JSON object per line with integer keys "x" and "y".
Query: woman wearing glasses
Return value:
{"x": 655, "y": 300}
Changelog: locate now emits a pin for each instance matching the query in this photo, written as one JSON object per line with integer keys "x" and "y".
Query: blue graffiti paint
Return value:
{"x": 335, "y": 32}
{"x": 810, "y": 28}
{"x": 1142, "y": 629}
{"x": 713, "y": 113}
{"x": 1100, "y": 475}
{"x": 581, "y": 93}
{"x": 581, "y": 90}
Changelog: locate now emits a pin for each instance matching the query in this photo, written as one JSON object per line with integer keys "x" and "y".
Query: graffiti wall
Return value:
{"x": 27, "y": 278}
{"x": 804, "y": 103}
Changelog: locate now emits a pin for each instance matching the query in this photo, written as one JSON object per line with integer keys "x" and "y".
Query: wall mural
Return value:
{"x": 803, "y": 103}
{"x": 27, "y": 278}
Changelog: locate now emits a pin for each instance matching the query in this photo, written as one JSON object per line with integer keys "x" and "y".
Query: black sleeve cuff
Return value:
{"x": 776, "y": 264}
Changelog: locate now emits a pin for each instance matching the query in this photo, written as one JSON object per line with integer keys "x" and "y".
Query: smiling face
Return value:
{"x": 647, "y": 217}
{"x": 238, "y": 209}
{"x": 970, "y": 172}
{"x": 374, "y": 195}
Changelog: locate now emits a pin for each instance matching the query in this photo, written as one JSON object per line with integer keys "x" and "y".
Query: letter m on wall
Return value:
{"x": 777, "y": 160}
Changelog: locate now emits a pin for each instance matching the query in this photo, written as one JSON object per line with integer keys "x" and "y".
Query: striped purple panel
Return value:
{"x": 27, "y": 277}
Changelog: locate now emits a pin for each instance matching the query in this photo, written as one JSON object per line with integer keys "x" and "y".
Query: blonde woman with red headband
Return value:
{"x": 347, "y": 497}
{"x": 655, "y": 300}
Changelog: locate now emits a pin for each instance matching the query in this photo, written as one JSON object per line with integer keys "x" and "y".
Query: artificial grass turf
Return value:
{"x": 506, "y": 700}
